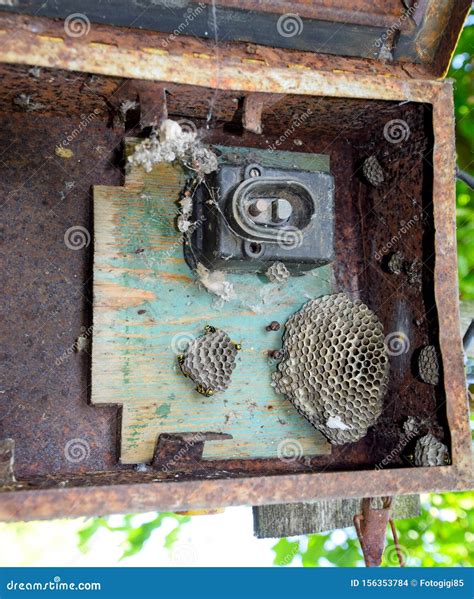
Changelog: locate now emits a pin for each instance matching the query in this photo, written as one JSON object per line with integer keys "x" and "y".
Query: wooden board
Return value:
{"x": 293, "y": 519}
{"x": 147, "y": 306}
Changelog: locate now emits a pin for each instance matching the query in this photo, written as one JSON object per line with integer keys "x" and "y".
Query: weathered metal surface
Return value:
{"x": 371, "y": 527}
{"x": 136, "y": 490}
{"x": 249, "y": 67}
{"x": 46, "y": 288}
{"x": 327, "y": 27}
{"x": 377, "y": 13}
{"x": 220, "y": 22}
{"x": 56, "y": 93}
{"x": 445, "y": 280}
{"x": 228, "y": 482}
{"x": 438, "y": 26}
{"x": 252, "y": 113}
{"x": 141, "y": 492}
{"x": 449, "y": 38}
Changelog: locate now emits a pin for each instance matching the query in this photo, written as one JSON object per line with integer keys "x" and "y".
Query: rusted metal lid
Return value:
{"x": 423, "y": 32}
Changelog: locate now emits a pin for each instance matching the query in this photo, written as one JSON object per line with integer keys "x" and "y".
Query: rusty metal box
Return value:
{"x": 362, "y": 68}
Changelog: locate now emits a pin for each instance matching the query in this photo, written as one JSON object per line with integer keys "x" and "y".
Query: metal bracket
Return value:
{"x": 371, "y": 528}
{"x": 151, "y": 98}
{"x": 252, "y": 116}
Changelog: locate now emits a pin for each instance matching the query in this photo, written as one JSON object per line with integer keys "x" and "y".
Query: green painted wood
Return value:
{"x": 148, "y": 305}
{"x": 277, "y": 159}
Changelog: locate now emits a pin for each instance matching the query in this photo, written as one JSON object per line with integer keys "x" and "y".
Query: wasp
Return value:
{"x": 203, "y": 391}
{"x": 180, "y": 358}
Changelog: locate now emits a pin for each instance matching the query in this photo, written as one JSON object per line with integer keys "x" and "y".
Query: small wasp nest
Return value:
{"x": 277, "y": 273}
{"x": 428, "y": 367}
{"x": 373, "y": 171}
{"x": 335, "y": 366}
{"x": 209, "y": 361}
{"x": 395, "y": 263}
{"x": 411, "y": 426}
{"x": 430, "y": 452}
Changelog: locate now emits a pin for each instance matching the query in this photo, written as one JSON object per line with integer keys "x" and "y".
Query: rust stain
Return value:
{"x": 176, "y": 277}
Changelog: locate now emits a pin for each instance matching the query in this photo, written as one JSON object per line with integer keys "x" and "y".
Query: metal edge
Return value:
{"x": 234, "y": 24}
{"x": 434, "y": 39}
{"x": 207, "y": 494}
{"x": 31, "y": 45}
{"x": 446, "y": 277}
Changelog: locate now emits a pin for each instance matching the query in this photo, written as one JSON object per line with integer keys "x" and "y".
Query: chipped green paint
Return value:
{"x": 278, "y": 159}
{"x": 163, "y": 411}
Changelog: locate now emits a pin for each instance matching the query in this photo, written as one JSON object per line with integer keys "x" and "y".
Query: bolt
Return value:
{"x": 258, "y": 207}
{"x": 273, "y": 326}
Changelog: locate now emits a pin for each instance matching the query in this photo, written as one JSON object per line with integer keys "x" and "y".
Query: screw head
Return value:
{"x": 254, "y": 172}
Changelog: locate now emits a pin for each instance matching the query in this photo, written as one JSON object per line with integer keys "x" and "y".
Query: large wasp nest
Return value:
{"x": 335, "y": 366}
{"x": 430, "y": 452}
{"x": 428, "y": 366}
{"x": 209, "y": 361}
